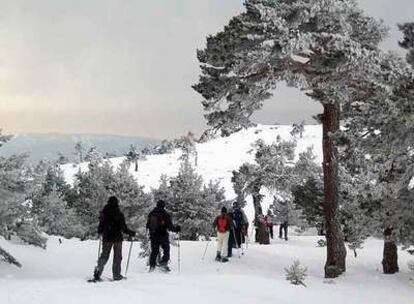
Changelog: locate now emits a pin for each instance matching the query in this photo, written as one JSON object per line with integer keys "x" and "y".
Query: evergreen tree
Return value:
{"x": 16, "y": 218}
{"x": 188, "y": 145}
{"x": 165, "y": 147}
{"x": 378, "y": 151}
{"x": 298, "y": 129}
{"x": 93, "y": 156}
{"x": 101, "y": 181}
{"x": 309, "y": 198}
{"x": 79, "y": 151}
{"x": 57, "y": 218}
{"x": 408, "y": 41}
{"x": 133, "y": 156}
{"x": 327, "y": 48}
{"x": 191, "y": 203}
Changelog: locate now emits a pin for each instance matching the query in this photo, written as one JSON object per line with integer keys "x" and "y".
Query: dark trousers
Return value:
{"x": 103, "y": 259}
{"x": 270, "y": 227}
{"x": 162, "y": 241}
{"x": 283, "y": 227}
{"x": 235, "y": 240}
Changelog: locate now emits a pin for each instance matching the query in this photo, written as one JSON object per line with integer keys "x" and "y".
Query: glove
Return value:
{"x": 132, "y": 234}
{"x": 177, "y": 228}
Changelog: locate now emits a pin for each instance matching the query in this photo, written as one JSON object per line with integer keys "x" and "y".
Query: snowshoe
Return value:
{"x": 151, "y": 269}
{"x": 120, "y": 278}
{"x": 94, "y": 280}
{"x": 165, "y": 268}
{"x": 224, "y": 260}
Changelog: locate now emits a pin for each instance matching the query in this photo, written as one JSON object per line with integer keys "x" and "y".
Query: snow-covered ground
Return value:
{"x": 217, "y": 158}
{"x": 57, "y": 275}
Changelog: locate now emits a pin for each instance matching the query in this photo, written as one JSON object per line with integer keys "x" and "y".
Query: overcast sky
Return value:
{"x": 122, "y": 66}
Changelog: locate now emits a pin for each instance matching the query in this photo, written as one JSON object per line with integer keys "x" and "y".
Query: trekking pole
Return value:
{"x": 179, "y": 253}
{"x": 241, "y": 240}
{"x": 129, "y": 257}
{"x": 205, "y": 250}
{"x": 238, "y": 246}
{"x": 99, "y": 247}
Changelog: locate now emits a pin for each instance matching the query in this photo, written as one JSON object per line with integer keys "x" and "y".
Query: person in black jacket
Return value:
{"x": 159, "y": 223}
{"x": 111, "y": 226}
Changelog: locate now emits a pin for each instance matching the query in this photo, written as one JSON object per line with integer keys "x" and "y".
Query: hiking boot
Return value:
{"x": 118, "y": 278}
{"x": 96, "y": 275}
{"x": 218, "y": 256}
{"x": 151, "y": 269}
{"x": 165, "y": 268}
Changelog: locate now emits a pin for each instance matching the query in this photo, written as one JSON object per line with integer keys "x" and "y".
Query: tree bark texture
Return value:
{"x": 336, "y": 251}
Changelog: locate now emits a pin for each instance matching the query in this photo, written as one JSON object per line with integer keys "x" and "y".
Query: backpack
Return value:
{"x": 155, "y": 222}
{"x": 222, "y": 224}
{"x": 238, "y": 218}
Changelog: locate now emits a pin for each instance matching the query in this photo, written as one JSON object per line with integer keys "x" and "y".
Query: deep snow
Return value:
{"x": 58, "y": 274}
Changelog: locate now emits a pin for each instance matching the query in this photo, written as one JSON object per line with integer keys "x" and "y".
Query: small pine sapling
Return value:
{"x": 411, "y": 269}
{"x": 296, "y": 274}
{"x": 321, "y": 243}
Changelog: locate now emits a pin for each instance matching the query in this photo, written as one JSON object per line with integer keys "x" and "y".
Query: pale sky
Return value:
{"x": 122, "y": 66}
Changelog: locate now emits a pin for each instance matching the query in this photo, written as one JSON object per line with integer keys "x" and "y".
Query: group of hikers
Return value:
{"x": 231, "y": 227}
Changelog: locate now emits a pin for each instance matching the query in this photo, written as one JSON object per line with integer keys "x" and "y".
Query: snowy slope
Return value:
{"x": 57, "y": 276}
{"x": 217, "y": 158}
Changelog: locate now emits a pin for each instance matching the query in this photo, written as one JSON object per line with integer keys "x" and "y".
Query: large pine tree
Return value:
{"x": 325, "y": 47}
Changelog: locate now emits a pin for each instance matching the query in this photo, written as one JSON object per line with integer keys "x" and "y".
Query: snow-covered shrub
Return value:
{"x": 296, "y": 274}
{"x": 321, "y": 243}
{"x": 411, "y": 269}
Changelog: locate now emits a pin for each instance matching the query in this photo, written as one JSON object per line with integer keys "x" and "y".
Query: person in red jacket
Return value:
{"x": 222, "y": 224}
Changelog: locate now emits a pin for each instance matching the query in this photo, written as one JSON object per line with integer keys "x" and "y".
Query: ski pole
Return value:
{"x": 99, "y": 247}
{"x": 238, "y": 246}
{"x": 179, "y": 253}
{"x": 129, "y": 257}
{"x": 205, "y": 250}
{"x": 241, "y": 240}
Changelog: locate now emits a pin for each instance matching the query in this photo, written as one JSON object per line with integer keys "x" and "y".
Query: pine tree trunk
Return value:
{"x": 136, "y": 166}
{"x": 336, "y": 251}
{"x": 390, "y": 255}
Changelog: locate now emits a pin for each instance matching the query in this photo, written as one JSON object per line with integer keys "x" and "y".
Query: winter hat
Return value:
{"x": 236, "y": 205}
{"x": 113, "y": 202}
{"x": 224, "y": 210}
{"x": 161, "y": 204}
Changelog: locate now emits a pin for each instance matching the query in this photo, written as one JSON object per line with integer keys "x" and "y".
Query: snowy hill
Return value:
{"x": 217, "y": 158}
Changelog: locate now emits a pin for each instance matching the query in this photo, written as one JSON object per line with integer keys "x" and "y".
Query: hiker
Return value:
{"x": 269, "y": 222}
{"x": 283, "y": 228}
{"x": 241, "y": 224}
{"x": 222, "y": 224}
{"x": 159, "y": 223}
{"x": 111, "y": 226}
{"x": 231, "y": 243}
{"x": 283, "y": 213}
